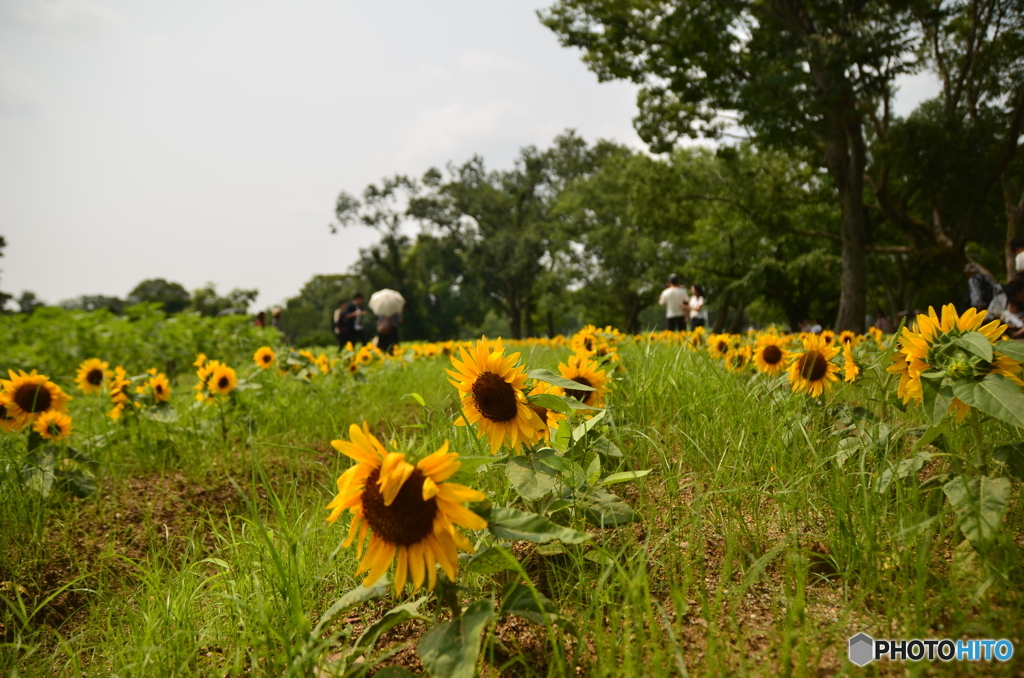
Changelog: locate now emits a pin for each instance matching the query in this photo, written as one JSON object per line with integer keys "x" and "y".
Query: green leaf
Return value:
{"x": 1012, "y": 456}
{"x": 996, "y": 396}
{"x": 562, "y": 404}
{"x": 529, "y": 603}
{"x": 82, "y": 458}
{"x": 607, "y": 448}
{"x": 506, "y": 523}
{"x": 938, "y": 396}
{"x": 624, "y": 477}
{"x": 161, "y": 413}
{"x": 489, "y": 560}
{"x": 550, "y": 377}
{"x": 356, "y": 596}
{"x": 977, "y": 344}
{"x": 531, "y": 478}
{"x": 1011, "y": 349}
{"x": 391, "y": 618}
{"x": 603, "y": 508}
{"x": 417, "y": 397}
{"x": 847, "y": 448}
{"x": 586, "y": 427}
{"x": 450, "y": 649}
{"x": 905, "y": 468}
{"x": 75, "y": 482}
{"x": 929, "y": 436}
{"x": 982, "y": 503}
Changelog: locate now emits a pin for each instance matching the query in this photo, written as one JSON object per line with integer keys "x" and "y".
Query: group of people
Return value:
{"x": 347, "y": 325}
{"x": 1005, "y": 302}
{"x": 683, "y": 309}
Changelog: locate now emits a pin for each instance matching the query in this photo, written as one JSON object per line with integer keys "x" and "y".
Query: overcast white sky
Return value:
{"x": 207, "y": 141}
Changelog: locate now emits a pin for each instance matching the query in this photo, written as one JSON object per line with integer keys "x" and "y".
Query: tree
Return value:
{"x": 800, "y": 73}
{"x": 4, "y": 298}
{"x": 92, "y": 302}
{"x": 206, "y": 301}
{"x": 628, "y": 221}
{"x": 306, "y": 317}
{"x": 28, "y": 303}
{"x": 171, "y": 295}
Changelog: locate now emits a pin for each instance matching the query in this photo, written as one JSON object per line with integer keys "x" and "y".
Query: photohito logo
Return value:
{"x": 864, "y": 649}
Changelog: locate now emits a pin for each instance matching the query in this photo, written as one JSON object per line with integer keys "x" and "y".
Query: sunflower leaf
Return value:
{"x": 996, "y": 396}
{"x": 529, "y": 603}
{"x": 1012, "y": 456}
{"x": 1011, "y": 349}
{"x": 624, "y": 477}
{"x": 506, "y": 523}
{"x": 905, "y": 468}
{"x": 451, "y": 648}
{"x": 982, "y": 503}
{"x": 549, "y": 377}
{"x": 938, "y": 396}
{"x": 976, "y": 343}
{"x": 531, "y": 478}
{"x": 561, "y": 404}
{"x": 603, "y": 508}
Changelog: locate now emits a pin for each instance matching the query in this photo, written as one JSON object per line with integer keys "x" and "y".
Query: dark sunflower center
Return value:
{"x": 266, "y": 358}
{"x": 95, "y": 377}
{"x": 771, "y": 354}
{"x": 409, "y": 520}
{"x": 846, "y": 340}
{"x": 828, "y": 339}
{"x": 159, "y": 389}
{"x": 737, "y": 360}
{"x": 579, "y": 395}
{"x": 589, "y": 343}
{"x": 813, "y": 366}
{"x": 223, "y": 382}
{"x": 494, "y": 397}
{"x": 54, "y": 429}
{"x": 723, "y": 347}
{"x": 33, "y": 398}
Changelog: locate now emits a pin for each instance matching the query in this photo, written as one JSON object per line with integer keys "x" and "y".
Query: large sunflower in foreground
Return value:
{"x": 26, "y": 396}
{"x": 932, "y": 346}
{"x": 491, "y": 388}
{"x": 91, "y": 375}
{"x": 769, "y": 355}
{"x": 585, "y": 371}
{"x": 812, "y": 370}
{"x": 409, "y": 511}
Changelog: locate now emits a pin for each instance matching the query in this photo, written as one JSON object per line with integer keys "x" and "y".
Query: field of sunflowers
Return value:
{"x": 189, "y": 496}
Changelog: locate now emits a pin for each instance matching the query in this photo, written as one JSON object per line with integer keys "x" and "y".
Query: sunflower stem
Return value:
{"x": 223, "y": 422}
{"x": 979, "y": 442}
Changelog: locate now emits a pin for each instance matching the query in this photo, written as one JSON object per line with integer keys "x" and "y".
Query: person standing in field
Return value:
{"x": 674, "y": 298}
{"x": 353, "y": 318}
{"x": 387, "y": 332}
{"x": 698, "y": 314}
{"x": 338, "y": 325}
{"x": 1017, "y": 245}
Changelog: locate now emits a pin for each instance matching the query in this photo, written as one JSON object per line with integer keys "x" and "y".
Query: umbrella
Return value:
{"x": 386, "y": 302}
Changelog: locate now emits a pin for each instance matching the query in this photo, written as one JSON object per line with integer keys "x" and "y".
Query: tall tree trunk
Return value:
{"x": 723, "y": 314}
{"x": 528, "y": 315}
{"x": 737, "y": 320}
{"x": 845, "y": 160}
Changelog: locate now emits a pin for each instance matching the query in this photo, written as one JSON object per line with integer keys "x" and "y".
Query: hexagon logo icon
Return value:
{"x": 862, "y": 649}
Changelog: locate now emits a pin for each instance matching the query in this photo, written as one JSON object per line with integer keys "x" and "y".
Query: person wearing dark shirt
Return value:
{"x": 353, "y": 318}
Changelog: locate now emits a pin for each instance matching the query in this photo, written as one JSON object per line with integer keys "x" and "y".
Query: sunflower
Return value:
{"x": 584, "y": 371}
{"x": 410, "y": 512}
{"x": 222, "y": 380}
{"x": 160, "y": 387}
{"x": 265, "y": 357}
{"x": 118, "y": 389}
{"x": 932, "y": 346}
{"x": 850, "y": 368}
{"x": 29, "y": 395}
{"x": 877, "y": 334}
{"x": 200, "y": 360}
{"x": 737, "y": 359}
{"x": 549, "y": 418}
{"x": 719, "y": 345}
{"x": 828, "y": 337}
{"x": 848, "y": 338}
{"x": 813, "y": 370}
{"x": 53, "y": 425}
{"x": 491, "y": 387}
{"x": 769, "y": 355}
{"x": 91, "y": 375}
{"x": 9, "y": 423}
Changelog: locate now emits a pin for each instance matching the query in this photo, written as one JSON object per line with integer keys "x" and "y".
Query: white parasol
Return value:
{"x": 386, "y": 302}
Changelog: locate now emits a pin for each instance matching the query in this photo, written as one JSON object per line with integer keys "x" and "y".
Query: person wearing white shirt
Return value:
{"x": 1017, "y": 245}
{"x": 674, "y": 298}
{"x": 698, "y": 314}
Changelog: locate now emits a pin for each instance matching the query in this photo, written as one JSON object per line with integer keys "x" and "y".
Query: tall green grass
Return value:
{"x": 758, "y": 550}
